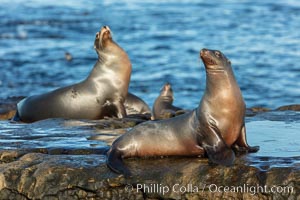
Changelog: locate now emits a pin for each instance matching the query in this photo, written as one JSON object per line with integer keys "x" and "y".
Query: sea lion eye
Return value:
{"x": 218, "y": 54}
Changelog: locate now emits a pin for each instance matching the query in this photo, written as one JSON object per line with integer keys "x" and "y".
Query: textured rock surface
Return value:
{"x": 25, "y": 175}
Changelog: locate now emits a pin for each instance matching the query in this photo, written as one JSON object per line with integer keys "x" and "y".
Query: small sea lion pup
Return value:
{"x": 215, "y": 126}
{"x": 101, "y": 94}
{"x": 163, "y": 108}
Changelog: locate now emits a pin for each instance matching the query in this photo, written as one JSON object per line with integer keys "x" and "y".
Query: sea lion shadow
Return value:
{"x": 174, "y": 165}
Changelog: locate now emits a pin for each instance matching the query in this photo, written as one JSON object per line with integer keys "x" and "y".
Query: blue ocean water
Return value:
{"x": 163, "y": 40}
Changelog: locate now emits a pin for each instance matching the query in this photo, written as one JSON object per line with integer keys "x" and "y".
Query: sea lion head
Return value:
{"x": 214, "y": 60}
{"x": 167, "y": 90}
{"x": 103, "y": 38}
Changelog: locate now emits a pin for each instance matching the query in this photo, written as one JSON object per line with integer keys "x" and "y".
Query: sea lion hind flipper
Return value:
{"x": 115, "y": 162}
{"x": 216, "y": 149}
{"x": 242, "y": 150}
{"x": 241, "y": 145}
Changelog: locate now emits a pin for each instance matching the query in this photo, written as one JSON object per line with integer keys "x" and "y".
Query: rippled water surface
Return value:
{"x": 162, "y": 38}
{"x": 278, "y": 138}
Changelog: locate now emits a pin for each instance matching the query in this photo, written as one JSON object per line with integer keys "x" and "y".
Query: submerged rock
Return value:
{"x": 295, "y": 107}
{"x": 255, "y": 110}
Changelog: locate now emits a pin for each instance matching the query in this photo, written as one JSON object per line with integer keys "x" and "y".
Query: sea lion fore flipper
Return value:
{"x": 241, "y": 145}
{"x": 217, "y": 150}
{"x": 121, "y": 111}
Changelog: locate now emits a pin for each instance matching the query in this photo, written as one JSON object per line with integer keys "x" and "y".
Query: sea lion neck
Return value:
{"x": 107, "y": 49}
{"x": 111, "y": 52}
{"x": 168, "y": 98}
{"x": 220, "y": 80}
{"x": 115, "y": 63}
{"x": 112, "y": 59}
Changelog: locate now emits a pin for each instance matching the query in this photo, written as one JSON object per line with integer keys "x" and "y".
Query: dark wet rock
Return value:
{"x": 43, "y": 176}
{"x": 285, "y": 116}
{"x": 295, "y": 107}
{"x": 8, "y": 107}
{"x": 256, "y": 110}
{"x": 146, "y": 116}
{"x": 114, "y": 123}
{"x": 7, "y": 156}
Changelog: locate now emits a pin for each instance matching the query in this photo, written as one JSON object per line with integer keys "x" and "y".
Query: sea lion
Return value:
{"x": 135, "y": 105}
{"x": 212, "y": 128}
{"x": 162, "y": 107}
{"x": 101, "y": 94}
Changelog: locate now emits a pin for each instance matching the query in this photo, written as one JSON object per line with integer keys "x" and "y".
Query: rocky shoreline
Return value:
{"x": 26, "y": 175}
{"x": 32, "y": 167}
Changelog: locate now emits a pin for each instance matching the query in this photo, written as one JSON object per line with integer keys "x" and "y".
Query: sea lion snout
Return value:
{"x": 167, "y": 90}
{"x": 167, "y": 86}
{"x": 102, "y": 37}
{"x": 203, "y": 52}
{"x": 207, "y": 57}
{"x": 105, "y": 29}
